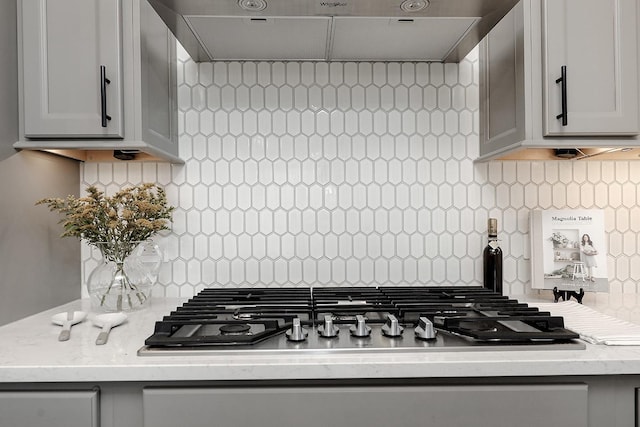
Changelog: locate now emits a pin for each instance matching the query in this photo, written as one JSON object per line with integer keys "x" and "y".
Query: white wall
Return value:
{"x": 302, "y": 174}
{"x": 37, "y": 269}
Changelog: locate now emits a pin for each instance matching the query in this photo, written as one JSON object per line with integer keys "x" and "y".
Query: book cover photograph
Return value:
{"x": 568, "y": 250}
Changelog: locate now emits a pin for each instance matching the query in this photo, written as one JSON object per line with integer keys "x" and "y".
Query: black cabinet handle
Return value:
{"x": 563, "y": 88}
{"x": 104, "y": 81}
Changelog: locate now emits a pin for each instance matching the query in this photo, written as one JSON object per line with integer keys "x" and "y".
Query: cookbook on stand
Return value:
{"x": 569, "y": 250}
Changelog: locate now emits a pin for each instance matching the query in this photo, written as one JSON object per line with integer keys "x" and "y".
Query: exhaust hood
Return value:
{"x": 327, "y": 30}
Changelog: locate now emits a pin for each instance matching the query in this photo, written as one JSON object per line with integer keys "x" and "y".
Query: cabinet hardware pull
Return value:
{"x": 104, "y": 81}
{"x": 563, "y": 88}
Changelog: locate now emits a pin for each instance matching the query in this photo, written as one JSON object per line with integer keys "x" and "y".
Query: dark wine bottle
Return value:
{"x": 492, "y": 259}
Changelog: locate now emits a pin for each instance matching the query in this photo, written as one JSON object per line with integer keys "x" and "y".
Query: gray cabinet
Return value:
{"x": 526, "y": 405}
{"x": 65, "y": 43}
{"x": 597, "y": 43}
{"x": 522, "y": 58}
{"x": 97, "y": 76}
{"x": 567, "y": 401}
{"x": 49, "y": 408}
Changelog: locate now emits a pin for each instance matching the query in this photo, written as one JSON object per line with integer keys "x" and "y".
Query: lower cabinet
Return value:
{"x": 41, "y": 408}
{"x": 529, "y": 405}
{"x": 564, "y": 401}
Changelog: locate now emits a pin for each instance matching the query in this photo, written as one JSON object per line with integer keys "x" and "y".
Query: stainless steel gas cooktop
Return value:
{"x": 354, "y": 320}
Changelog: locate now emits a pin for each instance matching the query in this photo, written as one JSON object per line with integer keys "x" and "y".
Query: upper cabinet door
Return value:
{"x": 596, "y": 42}
{"x": 72, "y": 68}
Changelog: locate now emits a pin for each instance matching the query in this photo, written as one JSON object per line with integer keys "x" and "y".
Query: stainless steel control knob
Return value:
{"x": 360, "y": 329}
{"x": 297, "y": 333}
{"x": 328, "y": 329}
{"x": 425, "y": 330}
{"x": 392, "y": 328}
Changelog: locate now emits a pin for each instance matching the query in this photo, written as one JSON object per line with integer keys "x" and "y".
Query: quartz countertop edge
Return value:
{"x": 32, "y": 353}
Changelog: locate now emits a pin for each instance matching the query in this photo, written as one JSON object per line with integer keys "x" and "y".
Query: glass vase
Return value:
{"x": 124, "y": 278}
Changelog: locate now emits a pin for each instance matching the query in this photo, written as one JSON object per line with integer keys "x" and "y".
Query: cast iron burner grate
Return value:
{"x": 257, "y": 319}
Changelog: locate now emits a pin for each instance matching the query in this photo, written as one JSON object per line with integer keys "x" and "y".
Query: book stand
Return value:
{"x": 566, "y": 295}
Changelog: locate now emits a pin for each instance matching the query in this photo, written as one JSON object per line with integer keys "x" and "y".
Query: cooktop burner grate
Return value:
{"x": 339, "y": 319}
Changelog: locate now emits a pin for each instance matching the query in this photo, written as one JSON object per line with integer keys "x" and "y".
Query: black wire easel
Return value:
{"x": 566, "y": 295}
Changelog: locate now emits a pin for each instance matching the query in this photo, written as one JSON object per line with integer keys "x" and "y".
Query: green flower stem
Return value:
{"x": 126, "y": 283}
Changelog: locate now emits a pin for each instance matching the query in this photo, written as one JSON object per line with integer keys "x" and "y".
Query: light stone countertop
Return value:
{"x": 31, "y": 352}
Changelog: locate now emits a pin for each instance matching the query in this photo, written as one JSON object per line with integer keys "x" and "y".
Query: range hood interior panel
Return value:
{"x": 373, "y": 8}
{"x": 355, "y": 29}
{"x": 262, "y": 38}
{"x": 397, "y": 39}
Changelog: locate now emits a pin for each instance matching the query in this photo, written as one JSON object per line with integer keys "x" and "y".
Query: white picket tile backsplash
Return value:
{"x": 317, "y": 174}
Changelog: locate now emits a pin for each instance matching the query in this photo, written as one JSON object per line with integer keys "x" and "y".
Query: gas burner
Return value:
{"x": 235, "y": 329}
